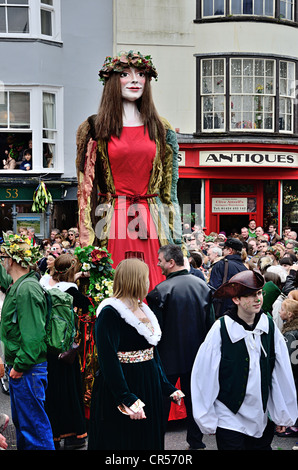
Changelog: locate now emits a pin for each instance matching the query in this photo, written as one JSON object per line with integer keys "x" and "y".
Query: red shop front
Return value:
{"x": 229, "y": 184}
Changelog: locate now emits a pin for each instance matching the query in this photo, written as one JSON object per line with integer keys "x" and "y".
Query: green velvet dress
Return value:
{"x": 116, "y": 383}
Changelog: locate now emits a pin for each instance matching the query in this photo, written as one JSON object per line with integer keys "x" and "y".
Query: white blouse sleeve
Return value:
{"x": 282, "y": 402}
{"x": 204, "y": 381}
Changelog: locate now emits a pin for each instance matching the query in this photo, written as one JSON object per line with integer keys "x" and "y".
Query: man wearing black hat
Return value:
{"x": 224, "y": 269}
{"x": 242, "y": 382}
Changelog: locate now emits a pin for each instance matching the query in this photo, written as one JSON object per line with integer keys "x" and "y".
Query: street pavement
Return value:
{"x": 175, "y": 439}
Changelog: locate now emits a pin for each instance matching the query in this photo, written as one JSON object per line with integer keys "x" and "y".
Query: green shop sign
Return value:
{"x": 18, "y": 193}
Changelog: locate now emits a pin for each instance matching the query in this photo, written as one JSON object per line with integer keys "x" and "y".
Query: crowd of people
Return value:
{"x": 275, "y": 256}
{"x": 189, "y": 321}
{"x": 220, "y": 257}
{"x": 181, "y": 314}
{"x": 54, "y": 265}
{"x": 17, "y": 155}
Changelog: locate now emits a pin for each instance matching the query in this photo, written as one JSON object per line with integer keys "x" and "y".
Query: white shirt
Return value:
{"x": 63, "y": 286}
{"x": 209, "y": 413}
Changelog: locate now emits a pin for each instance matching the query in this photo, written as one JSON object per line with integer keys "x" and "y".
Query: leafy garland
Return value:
{"x": 97, "y": 263}
{"x": 124, "y": 60}
{"x": 41, "y": 198}
{"x": 20, "y": 250}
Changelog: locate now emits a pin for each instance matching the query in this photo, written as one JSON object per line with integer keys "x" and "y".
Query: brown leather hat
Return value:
{"x": 243, "y": 283}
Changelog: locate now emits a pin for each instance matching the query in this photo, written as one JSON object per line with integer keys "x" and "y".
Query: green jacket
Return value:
{"x": 24, "y": 340}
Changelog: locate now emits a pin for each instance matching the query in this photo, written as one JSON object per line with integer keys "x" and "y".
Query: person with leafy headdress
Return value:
{"x": 127, "y": 166}
{"x": 22, "y": 331}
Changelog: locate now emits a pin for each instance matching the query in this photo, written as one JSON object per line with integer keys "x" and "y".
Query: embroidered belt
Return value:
{"x": 131, "y": 357}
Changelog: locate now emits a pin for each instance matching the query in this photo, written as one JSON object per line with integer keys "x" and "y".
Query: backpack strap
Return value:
{"x": 15, "y": 315}
{"x": 225, "y": 276}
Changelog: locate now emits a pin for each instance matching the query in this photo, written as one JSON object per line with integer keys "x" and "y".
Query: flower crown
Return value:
{"x": 19, "y": 249}
{"x": 124, "y": 60}
{"x": 64, "y": 271}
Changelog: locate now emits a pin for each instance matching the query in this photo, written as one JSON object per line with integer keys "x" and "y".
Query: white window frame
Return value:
{"x": 54, "y": 10}
{"x": 290, "y": 95}
{"x": 212, "y": 95}
{"x": 259, "y": 93}
{"x": 16, "y": 5}
{"x": 35, "y": 7}
{"x": 289, "y": 4}
{"x": 271, "y": 103}
{"x": 10, "y": 128}
{"x": 36, "y": 129}
{"x": 213, "y": 8}
{"x": 253, "y": 9}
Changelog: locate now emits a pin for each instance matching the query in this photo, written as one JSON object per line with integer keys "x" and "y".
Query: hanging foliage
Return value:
{"x": 41, "y": 198}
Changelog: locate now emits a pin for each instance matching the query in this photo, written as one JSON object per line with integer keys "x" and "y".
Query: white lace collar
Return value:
{"x": 127, "y": 315}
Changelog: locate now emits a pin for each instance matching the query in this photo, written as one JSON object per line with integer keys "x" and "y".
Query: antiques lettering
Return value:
{"x": 247, "y": 159}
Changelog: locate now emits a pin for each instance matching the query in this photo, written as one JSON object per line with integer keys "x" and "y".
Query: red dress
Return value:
{"x": 132, "y": 231}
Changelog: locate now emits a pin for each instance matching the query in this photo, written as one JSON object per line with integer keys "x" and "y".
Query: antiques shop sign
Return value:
{"x": 258, "y": 159}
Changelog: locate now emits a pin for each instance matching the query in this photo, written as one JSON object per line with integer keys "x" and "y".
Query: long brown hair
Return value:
{"x": 65, "y": 267}
{"x": 109, "y": 119}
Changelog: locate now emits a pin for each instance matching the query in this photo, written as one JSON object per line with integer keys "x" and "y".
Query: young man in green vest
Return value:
{"x": 242, "y": 383}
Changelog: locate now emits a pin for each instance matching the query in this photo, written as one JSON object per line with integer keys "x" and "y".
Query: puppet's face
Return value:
{"x": 132, "y": 83}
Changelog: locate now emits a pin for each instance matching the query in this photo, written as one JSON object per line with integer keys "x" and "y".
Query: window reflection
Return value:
{"x": 14, "y": 18}
{"x": 213, "y": 7}
{"x": 213, "y": 89}
{"x": 14, "y": 110}
{"x": 247, "y": 7}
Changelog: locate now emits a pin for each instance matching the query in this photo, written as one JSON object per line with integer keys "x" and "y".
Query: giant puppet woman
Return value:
{"x": 127, "y": 164}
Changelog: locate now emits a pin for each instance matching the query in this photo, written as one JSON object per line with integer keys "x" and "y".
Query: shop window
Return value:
{"x": 270, "y": 203}
{"x": 253, "y": 98}
{"x": 189, "y": 195}
{"x": 290, "y": 204}
{"x": 233, "y": 188}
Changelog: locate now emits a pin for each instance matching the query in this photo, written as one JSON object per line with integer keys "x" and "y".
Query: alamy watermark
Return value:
{"x": 294, "y": 354}
{"x": 133, "y": 221}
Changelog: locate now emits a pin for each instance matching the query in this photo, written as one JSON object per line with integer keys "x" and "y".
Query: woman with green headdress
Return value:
{"x": 22, "y": 331}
